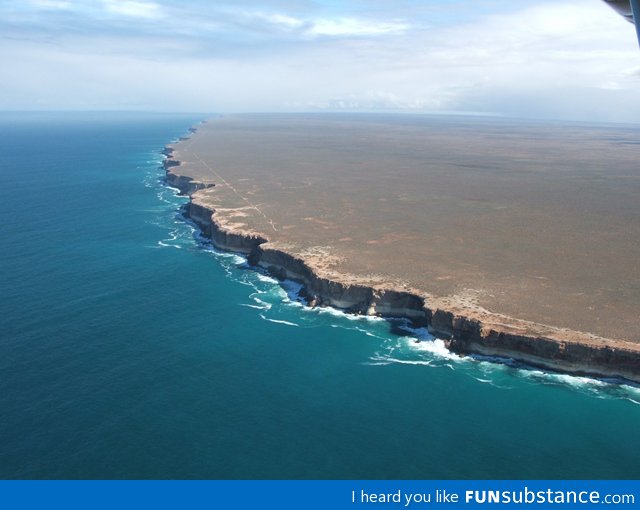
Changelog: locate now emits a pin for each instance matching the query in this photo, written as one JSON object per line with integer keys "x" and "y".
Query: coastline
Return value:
{"x": 464, "y": 331}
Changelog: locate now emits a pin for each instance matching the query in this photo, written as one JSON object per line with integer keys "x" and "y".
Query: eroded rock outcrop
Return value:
{"x": 185, "y": 184}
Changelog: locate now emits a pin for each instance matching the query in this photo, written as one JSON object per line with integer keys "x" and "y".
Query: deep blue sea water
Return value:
{"x": 131, "y": 349}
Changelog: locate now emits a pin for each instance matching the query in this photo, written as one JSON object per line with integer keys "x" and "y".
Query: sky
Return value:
{"x": 556, "y": 59}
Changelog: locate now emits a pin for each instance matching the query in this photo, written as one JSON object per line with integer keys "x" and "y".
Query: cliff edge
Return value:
{"x": 465, "y": 327}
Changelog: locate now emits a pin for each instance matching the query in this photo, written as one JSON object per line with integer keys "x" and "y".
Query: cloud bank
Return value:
{"x": 573, "y": 59}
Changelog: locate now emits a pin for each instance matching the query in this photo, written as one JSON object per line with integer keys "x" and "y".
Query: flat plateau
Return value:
{"x": 507, "y": 238}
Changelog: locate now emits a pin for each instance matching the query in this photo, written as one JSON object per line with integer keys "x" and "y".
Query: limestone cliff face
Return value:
{"x": 462, "y": 334}
{"x": 358, "y": 299}
{"x": 469, "y": 336}
{"x": 221, "y": 237}
{"x": 185, "y": 184}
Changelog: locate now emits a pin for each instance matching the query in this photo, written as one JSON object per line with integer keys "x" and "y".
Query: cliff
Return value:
{"x": 464, "y": 332}
{"x": 185, "y": 184}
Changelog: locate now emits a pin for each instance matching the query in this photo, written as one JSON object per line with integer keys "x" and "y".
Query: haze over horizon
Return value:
{"x": 571, "y": 59}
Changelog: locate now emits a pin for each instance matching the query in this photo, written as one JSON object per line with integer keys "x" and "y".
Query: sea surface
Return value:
{"x": 130, "y": 348}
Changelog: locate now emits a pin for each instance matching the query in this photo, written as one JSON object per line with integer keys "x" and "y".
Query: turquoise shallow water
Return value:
{"x": 131, "y": 349}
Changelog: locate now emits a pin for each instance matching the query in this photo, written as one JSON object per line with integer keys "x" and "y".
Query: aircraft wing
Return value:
{"x": 629, "y": 9}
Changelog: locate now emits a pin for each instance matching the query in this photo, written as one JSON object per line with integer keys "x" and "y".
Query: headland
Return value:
{"x": 504, "y": 238}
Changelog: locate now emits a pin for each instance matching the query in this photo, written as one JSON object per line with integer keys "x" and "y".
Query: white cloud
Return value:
{"x": 571, "y": 59}
{"x": 282, "y": 20}
{"x": 380, "y": 100}
{"x": 338, "y": 26}
{"x": 52, "y": 4}
{"x": 355, "y": 27}
{"x": 133, "y": 8}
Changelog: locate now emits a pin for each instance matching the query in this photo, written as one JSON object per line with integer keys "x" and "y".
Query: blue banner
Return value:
{"x": 342, "y": 494}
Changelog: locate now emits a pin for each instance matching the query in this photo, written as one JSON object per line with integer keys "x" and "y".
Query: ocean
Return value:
{"x": 131, "y": 348}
